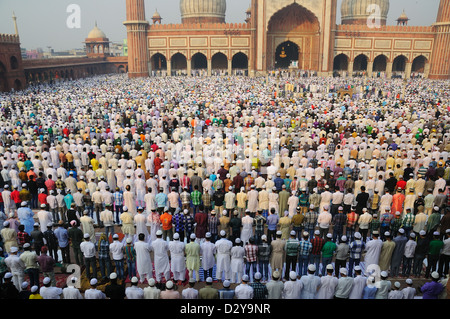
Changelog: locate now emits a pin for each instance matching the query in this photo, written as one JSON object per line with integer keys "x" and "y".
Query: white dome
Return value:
{"x": 96, "y": 33}
{"x": 203, "y": 10}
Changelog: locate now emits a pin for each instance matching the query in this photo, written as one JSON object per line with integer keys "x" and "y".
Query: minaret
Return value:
{"x": 15, "y": 24}
{"x": 440, "y": 58}
{"x": 137, "y": 39}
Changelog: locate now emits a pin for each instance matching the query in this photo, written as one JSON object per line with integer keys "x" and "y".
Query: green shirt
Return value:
{"x": 328, "y": 249}
{"x": 291, "y": 247}
{"x": 435, "y": 247}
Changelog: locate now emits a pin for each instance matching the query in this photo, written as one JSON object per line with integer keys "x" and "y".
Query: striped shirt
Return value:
{"x": 196, "y": 197}
{"x": 409, "y": 220}
{"x": 129, "y": 253}
{"x": 317, "y": 244}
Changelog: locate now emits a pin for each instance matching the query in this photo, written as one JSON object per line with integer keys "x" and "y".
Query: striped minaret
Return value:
{"x": 137, "y": 39}
{"x": 440, "y": 59}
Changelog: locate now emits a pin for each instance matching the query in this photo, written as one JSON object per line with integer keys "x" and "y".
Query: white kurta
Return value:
{"x": 327, "y": 288}
{"x": 178, "y": 264}
{"x": 144, "y": 264}
{"x": 373, "y": 250}
{"x": 208, "y": 252}
{"x": 237, "y": 263}
{"x": 292, "y": 289}
{"x": 247, "y": 228}
{"x": 358, "y": 287}
{"x": 223, "y": 247}
{"x": 129, "y": 201}
{"x": 162, "y": 266}
{"x": 140, "y": 220}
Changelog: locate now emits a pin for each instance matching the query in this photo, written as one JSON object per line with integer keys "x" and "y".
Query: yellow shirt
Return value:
{"x": 36, "y": 296}
{"x": 241, "y": 200}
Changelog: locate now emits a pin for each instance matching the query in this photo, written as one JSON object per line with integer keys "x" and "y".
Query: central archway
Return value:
{"x": 297, "y": 25}
{"x": 285, "y": 54}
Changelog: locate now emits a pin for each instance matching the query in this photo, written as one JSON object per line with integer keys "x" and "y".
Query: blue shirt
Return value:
{"x": 272, "y": 221}
{"x": 161, "y": 199}
{"x": 63, "y": 236}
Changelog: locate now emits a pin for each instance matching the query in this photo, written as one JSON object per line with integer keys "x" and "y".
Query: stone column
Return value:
{"x": 389, "y": 70}
{"x": 408, "y": 70}
{"x": 369, "y": 69}
{"x": 209, "y": 67}
{"x": 350, "y": 69}
{"x": 230, "y": 64}
{"x": 189, "y": 67}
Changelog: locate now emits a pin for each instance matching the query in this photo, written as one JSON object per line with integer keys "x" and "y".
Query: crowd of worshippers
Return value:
{"x": 275, "y": 182}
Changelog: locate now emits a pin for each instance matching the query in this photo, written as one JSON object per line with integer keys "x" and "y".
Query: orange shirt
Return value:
{"x": 166, "y": 220}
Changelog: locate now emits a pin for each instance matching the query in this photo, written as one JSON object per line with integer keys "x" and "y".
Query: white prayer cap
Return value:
{"x": 436, "y": 233}
{"x": 192, "y": 236}
{"x": 151, "y": 282}
{"x": 409, "y": 281}
{"x": 358, "y": 268}
{"x": 343, "y": 271}
{"x": 14, "y": 249}
{"x": 279, "y": 233}
{"x": 86, "y": 235}
{"x": 357, "y": 235}
{"x": 224, "y": 213}
{"x": 24, "y": 285}
{"x": 176, "y": 236}
{"x": 129, "y": 240}
{"x": 343, "y": 238}
{"x": 263, "y": 237}
{"x": 387, "y": 233}
{"x": 329, "y": 235}
{"x": 293, "y": 233}
{"x": 93, "y": 281}
{"x": 169, "y": 284}
{"x": 113, "y": 276}
{"x": 312, "y": 267}
{"x": 134, "y": 280}
{"x": 401, "y": 231}
{"x": 422, "y": 232}
{"x": 46, "y": 280}
{"x": 311, "y": 206}
{"x": 397, "y": 284}
{"x": 293, "y": 275}
{"x": 384, "y": 274}
{"x": 159, "y": 232}
{"x": 223, "y": 233}
{"x": 34, "y": 289}
{"x": 245, "y": 278}
{"x": 209, "y": 280}
{"x": 208, "y": 235}
{"x": 258, "y": 275}
{"x": 317, "y": 232}
{"x": 6, "y": 224}
{"x": 330, "y": 267}
{"x": 226, "y": 283}
{"x": 237, "y": 240}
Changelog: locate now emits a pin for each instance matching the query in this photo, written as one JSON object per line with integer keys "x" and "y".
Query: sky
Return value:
{"x": 44, "y": 23}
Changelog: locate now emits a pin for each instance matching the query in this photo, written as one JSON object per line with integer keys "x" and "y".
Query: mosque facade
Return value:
{"x": 288, "y": 34}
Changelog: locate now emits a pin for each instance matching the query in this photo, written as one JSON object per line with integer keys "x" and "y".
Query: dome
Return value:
{"x": 156, "y": 15}
{"x": 96, "y": 33}
{"x": 358, "y": 11}
{"x": 203, "y": 11}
